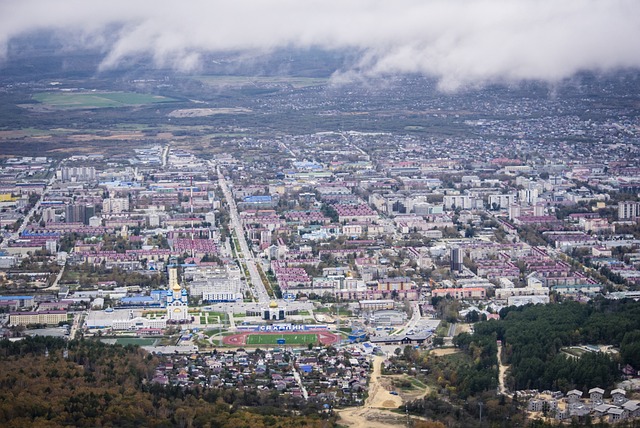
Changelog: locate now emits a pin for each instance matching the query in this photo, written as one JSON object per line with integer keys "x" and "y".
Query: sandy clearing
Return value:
{"x": 374, "y": 413}
{"x": 443, "y": 351}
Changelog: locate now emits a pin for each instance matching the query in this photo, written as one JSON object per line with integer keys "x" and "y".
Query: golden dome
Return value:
{"x": 176, "y": 287}
{"x": 273, "y": 304}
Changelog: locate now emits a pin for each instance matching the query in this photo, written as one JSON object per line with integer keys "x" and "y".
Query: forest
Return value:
{"x": 534, "y": 338}
{"x": 534, "y": 341}
{"x": 48, "y": 382}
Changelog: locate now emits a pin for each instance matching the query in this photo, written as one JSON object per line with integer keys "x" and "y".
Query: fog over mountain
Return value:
{"x": 460, "y": 43}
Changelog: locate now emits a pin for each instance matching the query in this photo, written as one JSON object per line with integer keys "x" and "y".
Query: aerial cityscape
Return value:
{"x": 313, "y": 216}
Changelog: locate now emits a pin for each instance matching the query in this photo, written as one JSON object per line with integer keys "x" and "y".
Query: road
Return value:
{"x": 27, "y": 218}
{"x": 452, "y": 330}
{"x": 375, "y": 412}
{"x": 502, "y": 373}
{"x": 15, "y": 235}
{"x": 54, "y": 285}
{"x": 298, "y": 379}
{"x": 259, "y": 289}
{"x": 77, "y": 320}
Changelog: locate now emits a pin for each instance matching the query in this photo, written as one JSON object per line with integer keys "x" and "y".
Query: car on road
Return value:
{"x": 393, "y": 392}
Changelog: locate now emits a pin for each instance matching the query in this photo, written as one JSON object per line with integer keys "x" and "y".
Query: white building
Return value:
{"x": 177, "y": 299}
{"x": 115, "y": 205}
{"x": 139, "y": 323}
{"x": 628, "y": 210}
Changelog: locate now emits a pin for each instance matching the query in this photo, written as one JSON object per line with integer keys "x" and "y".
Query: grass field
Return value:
{"x": 124, "y": 341}
{"x": 290, "y": 339}
{"x": 83, "y": 100}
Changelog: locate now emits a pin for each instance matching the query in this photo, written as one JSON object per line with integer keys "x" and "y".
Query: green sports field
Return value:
{"x": 290, "y": 339}
{"x": 147, "y": 341}
{"x": 84, "y": 100}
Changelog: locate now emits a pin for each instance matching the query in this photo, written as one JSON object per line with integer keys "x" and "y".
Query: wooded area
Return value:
{"x": 109, "y": 385}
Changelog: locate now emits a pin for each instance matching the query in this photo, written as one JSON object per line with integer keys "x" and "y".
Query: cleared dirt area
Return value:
{"x": 374, "y": 413}
{"x": 443, "y": 351}
{"x": 463, "y": 328}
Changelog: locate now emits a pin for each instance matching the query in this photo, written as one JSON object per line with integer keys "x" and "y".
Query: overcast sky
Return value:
{"x": 460, "y": 42}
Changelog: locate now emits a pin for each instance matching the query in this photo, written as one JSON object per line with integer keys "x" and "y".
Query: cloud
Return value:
{"x": 460, "y": 42}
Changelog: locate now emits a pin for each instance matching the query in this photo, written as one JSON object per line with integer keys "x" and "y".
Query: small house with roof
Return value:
{"x": 596, "y": 395}
{"x": 619, "y": 396}
{"x": 574, "y": 396}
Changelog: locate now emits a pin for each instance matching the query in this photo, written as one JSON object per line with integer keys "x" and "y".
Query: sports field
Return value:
{"x": 85, "y": 100}
{"x": 136, "y": 341}
{"x": 271, "y": 339}
{"x": 290, "y": 339}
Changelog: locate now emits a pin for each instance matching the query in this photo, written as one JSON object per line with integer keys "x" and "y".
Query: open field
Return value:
{"x": 88, "y": 100}
{"x": 124, "y": 341}
{"x": 444, "y": 351}
{"x": 271, "y": 339}
{"x": 290, "y": 339}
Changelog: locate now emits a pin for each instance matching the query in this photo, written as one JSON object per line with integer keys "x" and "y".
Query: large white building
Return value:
{"x": 115, "y": 205}
{"x": 501, "y": 201}
{"x": 139, "y": 323}
{"x": 76, "y": 173}
{"x": 214, "y": 284}
{"x": 628, "y": 210}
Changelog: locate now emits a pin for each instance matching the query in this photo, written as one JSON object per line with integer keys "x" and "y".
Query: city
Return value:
{"x": 424, "y": 214}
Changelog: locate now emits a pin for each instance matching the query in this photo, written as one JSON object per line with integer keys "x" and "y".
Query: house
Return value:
{"x": 535, "y": 405}
{"x": 619, "y": 396}
{"x": 617, "y": 414}
{"x": 596, "y": 395}
{"x": 574, "y": 396}
{"x": 633, "y": 407}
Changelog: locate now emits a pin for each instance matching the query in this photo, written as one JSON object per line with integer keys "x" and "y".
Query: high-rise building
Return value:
{"x": 89, "y": 211}
{"x": 115, "y": 205}
{"x": 456, "y": 259}
{"x": 75, "y": 213}
{"x": 628, "y": 210}
{"x": 77, "y": 173}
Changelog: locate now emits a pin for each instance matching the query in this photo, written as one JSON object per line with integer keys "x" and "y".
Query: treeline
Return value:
{"x": 482, "y": 374}
{"x": 49, "y": 382}
{"x": 533, "y": 338}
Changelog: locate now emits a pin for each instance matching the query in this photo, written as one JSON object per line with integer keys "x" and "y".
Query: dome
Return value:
{"x": 176, "y": 287}
{"x": 273, "y": 304}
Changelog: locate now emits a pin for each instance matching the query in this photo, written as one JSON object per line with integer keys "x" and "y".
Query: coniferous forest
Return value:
{"x": 535, "y": 340}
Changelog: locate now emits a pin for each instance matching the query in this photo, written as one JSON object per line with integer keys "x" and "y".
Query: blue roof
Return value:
{"x": 257, "y": 199}
{"x": 16, "y": 297}
{"x": 137, "y": 299}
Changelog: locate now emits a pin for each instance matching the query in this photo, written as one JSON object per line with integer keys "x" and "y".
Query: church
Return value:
{"x": 274, "y": 312}
{"x": 177, "y": 299}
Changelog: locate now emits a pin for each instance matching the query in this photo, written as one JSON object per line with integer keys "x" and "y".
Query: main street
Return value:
{"x": 27, "y": 218}
{"x": 245, "y": 255}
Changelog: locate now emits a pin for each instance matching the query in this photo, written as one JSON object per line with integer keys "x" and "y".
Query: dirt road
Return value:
{"x": 374, "y": 413}
{"x": 502, "y": 372}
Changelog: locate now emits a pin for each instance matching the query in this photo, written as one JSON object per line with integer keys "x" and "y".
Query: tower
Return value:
{"x": 177, "y": 299}
{"x": 456, "y": 259}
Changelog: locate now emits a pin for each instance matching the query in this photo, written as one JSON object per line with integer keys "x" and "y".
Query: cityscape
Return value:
{"x": 262, "y": 241}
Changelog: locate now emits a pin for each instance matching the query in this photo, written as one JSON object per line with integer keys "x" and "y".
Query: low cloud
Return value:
{"x": 460, "y": 42}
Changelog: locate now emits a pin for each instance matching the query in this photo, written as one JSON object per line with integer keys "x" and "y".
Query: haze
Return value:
{"x": 463, "y": 42}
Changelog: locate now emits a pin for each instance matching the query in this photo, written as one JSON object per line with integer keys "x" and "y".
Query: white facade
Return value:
{"x": 115, "y": 205}
{"x": 177, "y": 299}
{"x": 628, "y": 210}
{"x": 139, "y": 323}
